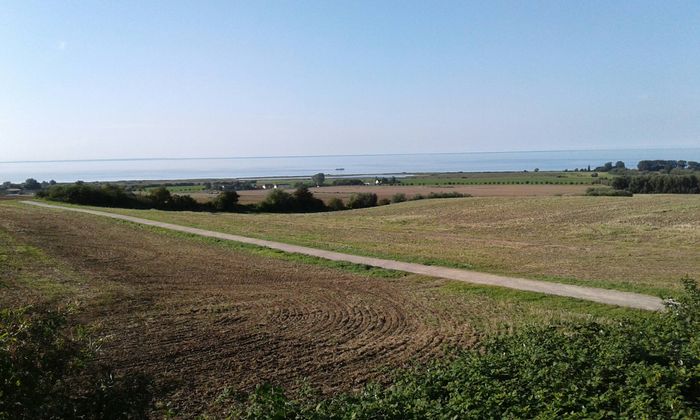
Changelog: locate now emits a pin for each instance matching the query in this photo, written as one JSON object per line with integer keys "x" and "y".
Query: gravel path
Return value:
{"x": 611, "y": 297}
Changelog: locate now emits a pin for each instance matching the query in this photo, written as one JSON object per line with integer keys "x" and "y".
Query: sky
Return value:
{"x": 140, "y": 79}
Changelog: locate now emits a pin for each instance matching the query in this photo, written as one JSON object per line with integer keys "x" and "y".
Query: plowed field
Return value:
{"x": 198, "y": 317}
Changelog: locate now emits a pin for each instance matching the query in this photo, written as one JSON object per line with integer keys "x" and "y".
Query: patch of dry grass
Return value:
{"x": 645, "y": 243}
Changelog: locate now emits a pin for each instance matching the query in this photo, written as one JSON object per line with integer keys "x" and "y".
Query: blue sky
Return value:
{"x": 89, "y": 79}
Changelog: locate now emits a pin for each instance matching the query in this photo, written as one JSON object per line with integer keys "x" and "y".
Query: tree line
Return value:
{"x": 658, "y": 184}
{"x": 301, "y": 200}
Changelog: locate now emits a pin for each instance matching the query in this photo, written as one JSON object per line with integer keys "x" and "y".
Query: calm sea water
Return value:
{"x": 257, "y": 167}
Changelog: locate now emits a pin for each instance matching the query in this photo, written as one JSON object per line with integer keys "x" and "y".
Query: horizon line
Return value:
{"x": 342, "y": 155}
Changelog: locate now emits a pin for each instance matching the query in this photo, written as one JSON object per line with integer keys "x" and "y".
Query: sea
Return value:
{"x": 336, "y": 165}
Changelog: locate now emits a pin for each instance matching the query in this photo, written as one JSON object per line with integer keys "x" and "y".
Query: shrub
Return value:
{"x": 226, "y": 201}
{"x": 362, "y": 200}
{"x": 49, "y": 371}
{"x": 277, "y": 200}
{"x": 605, "y": 191}
{"x": 452, "y": 194}
{"x": 348, "y": 181}
{"x": 302, "y": 200}
{"x": 398, "y": 198}
{"x": 305, "y": 201}
{"x": 336, "y": 204}
{"x": 383, "y": 202}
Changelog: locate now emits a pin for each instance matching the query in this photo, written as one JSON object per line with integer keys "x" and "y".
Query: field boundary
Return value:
{"x": 606, "y": 296}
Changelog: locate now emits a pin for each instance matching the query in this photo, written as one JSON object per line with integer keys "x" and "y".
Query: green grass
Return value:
{"x": 26, "y": 271}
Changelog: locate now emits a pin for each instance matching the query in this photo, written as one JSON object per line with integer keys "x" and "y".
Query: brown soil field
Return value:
{"x": 344, "y": 192}
{"x": 198, "y": 317}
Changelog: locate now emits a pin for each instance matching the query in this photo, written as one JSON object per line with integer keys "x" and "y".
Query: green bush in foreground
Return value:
{"x": 647, "y": 368}
{"x": 47, "y": 370}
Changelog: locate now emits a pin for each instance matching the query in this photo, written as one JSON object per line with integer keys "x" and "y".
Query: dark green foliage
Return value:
{"x": 306, "y": 202}
{"x": 648, "y": 367}
{"x": 658, "y": 184}
{"x": 318, "y": 179}
{"x": 277, "y": 200}
{"x": 451, "y": 194}
{"x": 226, "y": 201}
{"x": 160, "y": 198}
{"x": 280, "y": 201}
{"x": 398, "y": 198}
{"x": 348, "y": 181}
{"x": 336, "y": 204}
{"x": 661, "y": 165}
{"x": 302, "y": 200}
{"x": 387, "y": 181}
{"x": 31, "y": 184}
{"x": 92, "y": 195}
{"x": 47, "y": 370}
{"x": 362, "y": 200}
{"x": 606, "y": 191}
{"x": 605, "y": 168}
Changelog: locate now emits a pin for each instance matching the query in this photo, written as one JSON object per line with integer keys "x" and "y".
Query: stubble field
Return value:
{"x": 644, "y": 243}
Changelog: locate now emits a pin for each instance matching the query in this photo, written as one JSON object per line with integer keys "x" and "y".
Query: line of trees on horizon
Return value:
{"x": 300, "y": 200}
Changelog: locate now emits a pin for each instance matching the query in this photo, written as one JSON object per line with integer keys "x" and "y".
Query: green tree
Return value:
{"x": 336, "y": 204}
{"x": 318, "y": 179}
{"x": 226, "y": 201}
{"x": 361, "y": 200}
{"x": 160, "y": 198}
{"x": 32, "y": 184}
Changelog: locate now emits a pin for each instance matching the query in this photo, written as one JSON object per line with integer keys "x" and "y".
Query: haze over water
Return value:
{"x": 258, "y": 167}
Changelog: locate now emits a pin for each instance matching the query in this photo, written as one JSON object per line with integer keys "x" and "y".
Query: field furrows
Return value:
{"x": 200, "y": 317}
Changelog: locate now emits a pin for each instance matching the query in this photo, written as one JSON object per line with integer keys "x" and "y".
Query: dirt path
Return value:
{"x": 612, "y": 297}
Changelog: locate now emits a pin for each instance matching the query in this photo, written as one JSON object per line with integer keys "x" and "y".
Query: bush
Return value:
{"x": 226, "y": 201}
{"x": 305, "y": 201}
{"x": 647, "y": 367}
{"x": 49, "y": 371}
{"x": 452, "y": 194}
{"x": 383, "y": 202}
{"x": 277, "y": 200}
{"x": 398, "y": 198}
{"x": 336, "y": 204}
{"x": 362, "y": 200}
{"x": 609, "y": 192}
{"x": 302, "y": 200}
{"x": 348, "y": 181}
